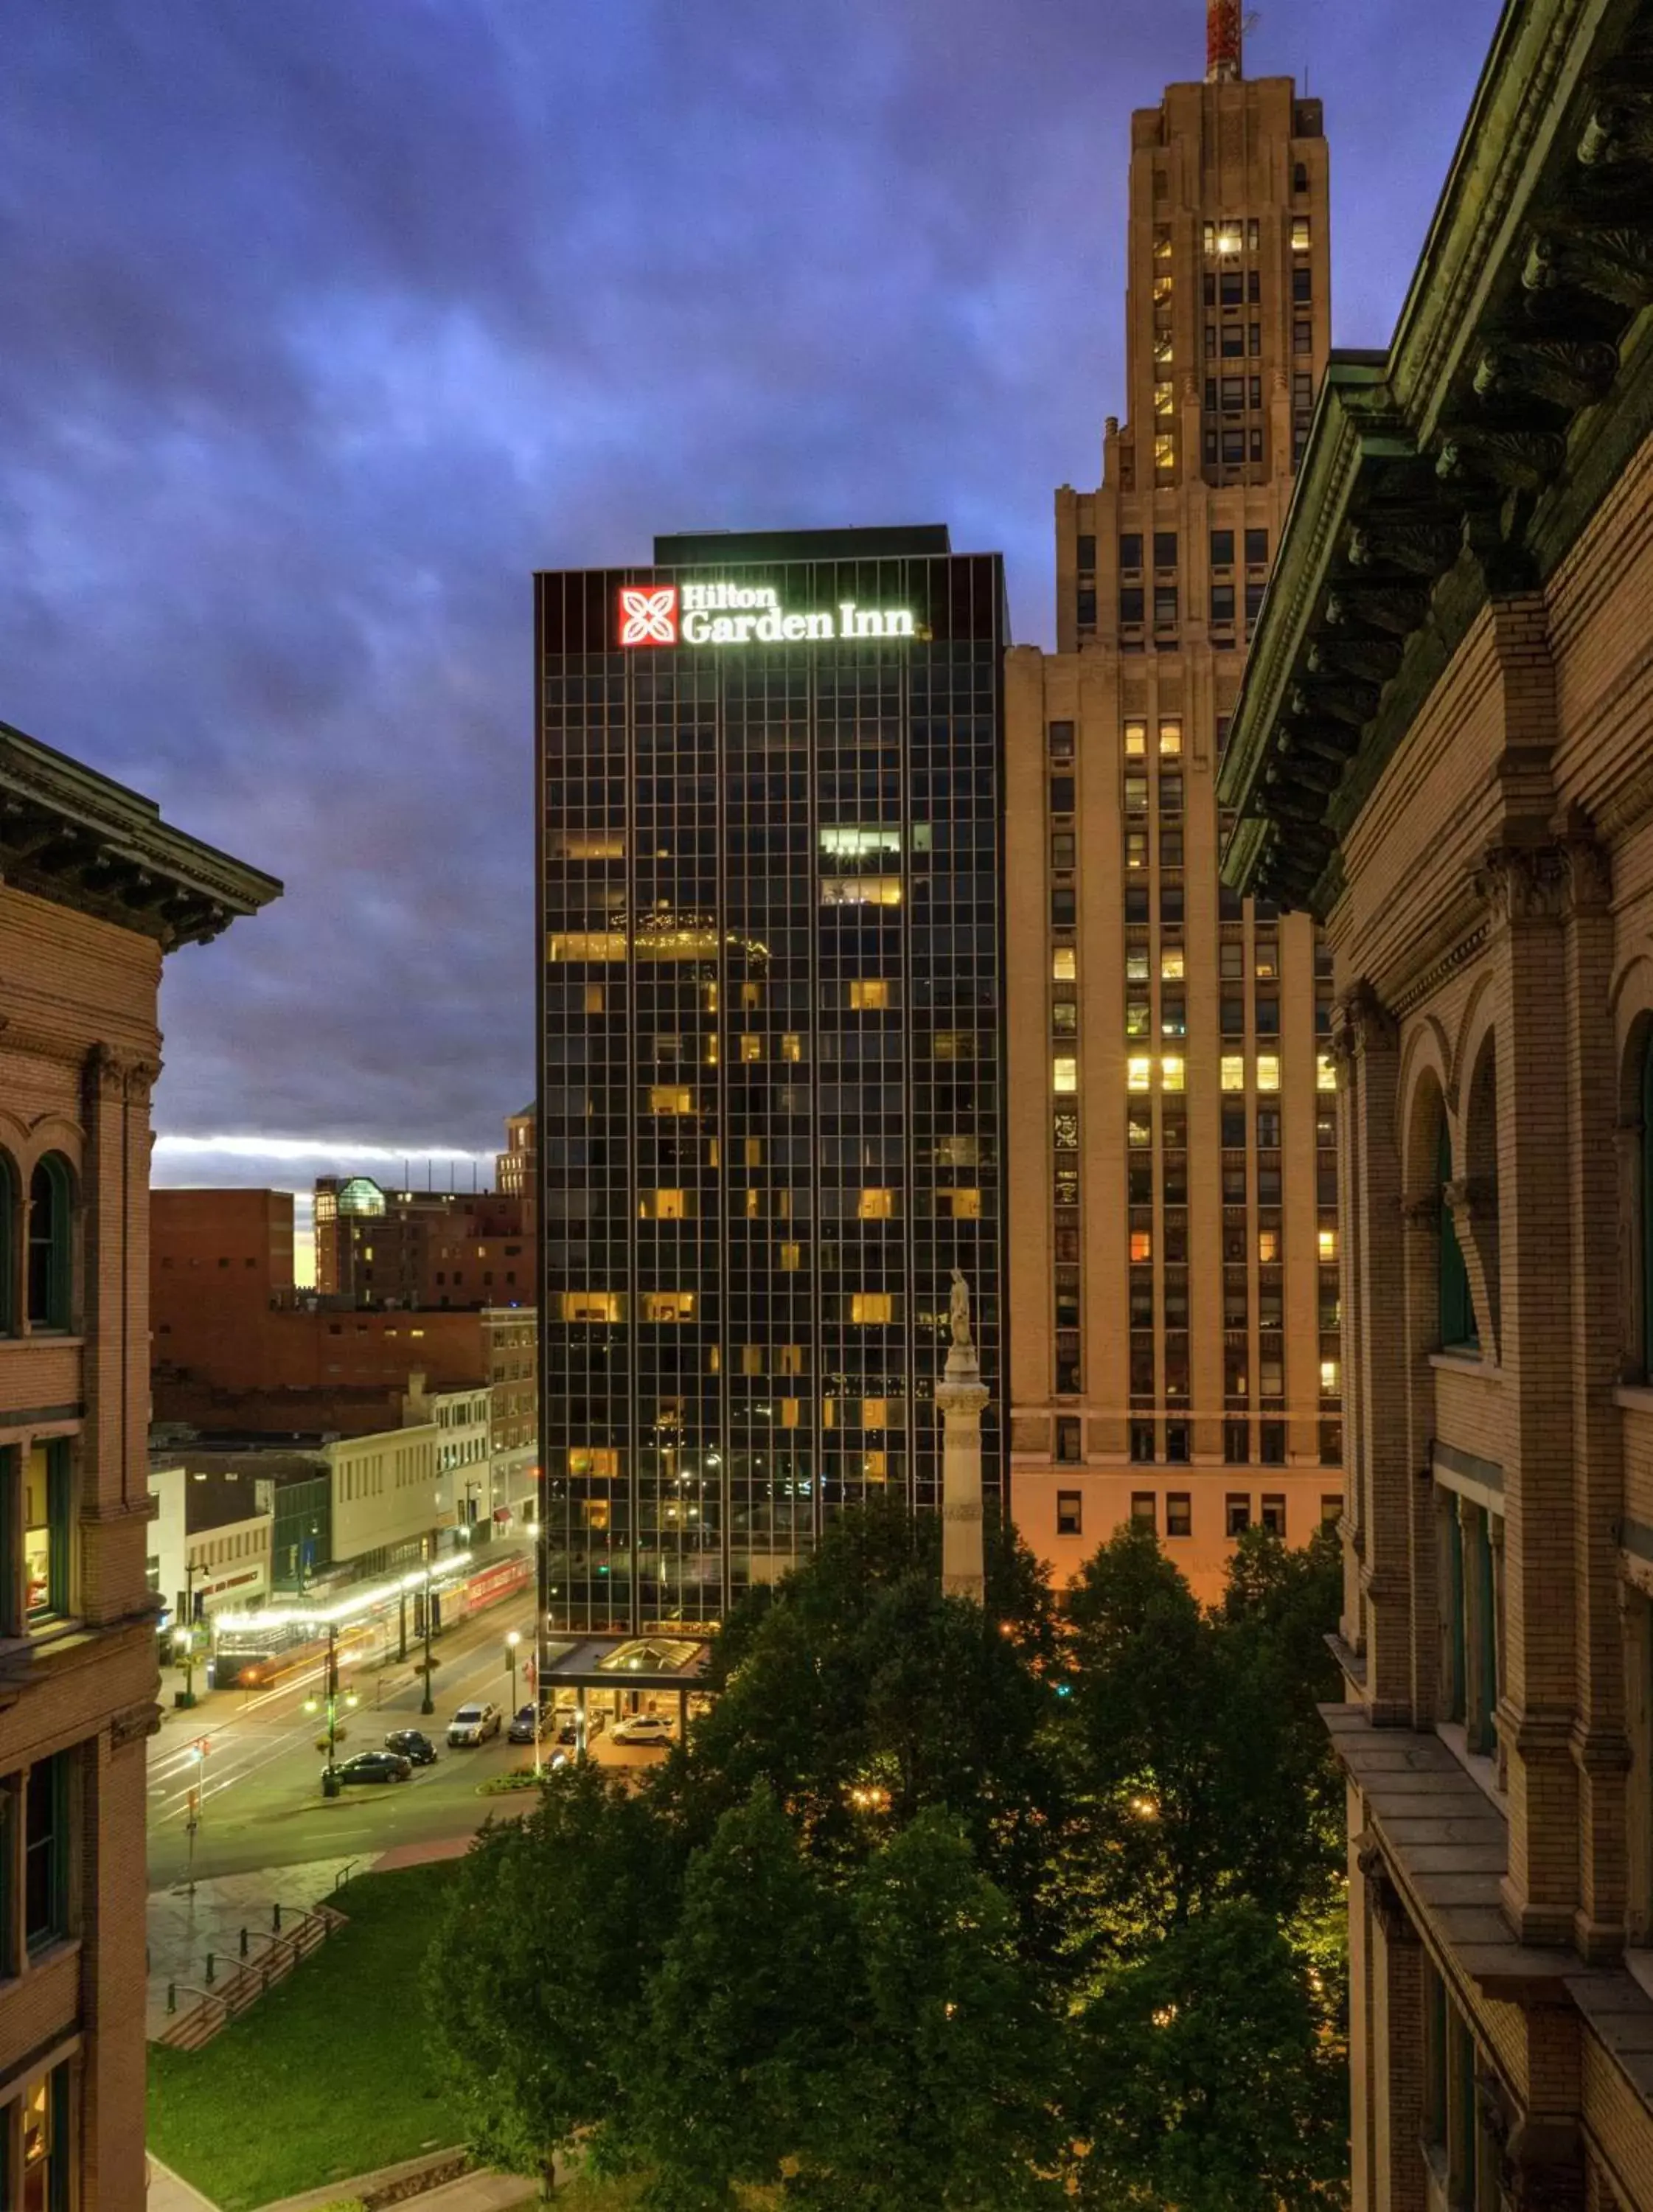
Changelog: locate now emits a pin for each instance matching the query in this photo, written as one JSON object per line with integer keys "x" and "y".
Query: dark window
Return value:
{"x": 1231, "y": 288}
{"x": 1254, "y": 286}
{"x": 1268, "y": 1014}
{"x": 1331, "y": 1501}
{"x": 1237, "y": 1513}
{"x": 1086, "y": 607}
{"x": 1211, "y": 290}
{"x": 1254, "y": 339}
{"x": 1273, "y": 1443}
{"x": 1221, "y": 606}
{"x": 1130, "y": 550}
{"x": 1256, "y": 549}
{"x": 1302, "y": 284}
{"x": 1070, "y": 1513}
{"x": 1222, "y": 548}
{"x": 1299, "y": 176}
{"x": 1165, "y": 606}
{"x": 1231, "y": 907}
{"x": 1274, "y": 1514}
{"x": 1170, "y": 902}
{"x": 1164, "y": 549}
{"x": 1233, "y": 395}
{"x": 1130, "y": 603}
{"x": 1179, "y": 1513}
{"x": 1237, "y": 1442}
{"x": 1176, "y": 1444}
{"x": 1303, "y": 337}
{"x": 1232, "y": 344}
{"x": 1142, "y": 1438}
{"x": 49, "y": 1195}
{"x": 1059, "y": 739}
{"x": 1145, "y": 1510}
{"x": 1254, "y": 441}
{"x": 46, "y": 1852}
{"x": 1064, "y": 906}
{"x": 1254, "y": 390}
{"x": 1211, "y": 395}
{"x": 1087, "y": 554}
{"x": 1062, "y": 794}
{"x": 1170, "y": 794}
{"x": 1233, "y": 448}
{"x": 1136, "y": 902}
{"x": 1069, "y": 1448}
{"x": 1254, "y": 597}
{"x": 1457, "y": 1311}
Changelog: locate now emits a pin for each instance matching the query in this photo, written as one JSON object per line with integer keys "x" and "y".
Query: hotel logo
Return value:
{"x": 648, "y": 614}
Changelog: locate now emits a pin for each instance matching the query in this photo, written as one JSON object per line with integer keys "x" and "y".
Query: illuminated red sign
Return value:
{"x": 648, "y": 614}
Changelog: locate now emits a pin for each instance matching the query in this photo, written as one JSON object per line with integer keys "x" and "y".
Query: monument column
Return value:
{"x": 961, "y": 1396}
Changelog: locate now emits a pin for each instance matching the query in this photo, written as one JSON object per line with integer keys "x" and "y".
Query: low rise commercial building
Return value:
{"x": 1442, "y": 752}
{"x": 209, "y": 1541}
{"x": 95, "y": 890}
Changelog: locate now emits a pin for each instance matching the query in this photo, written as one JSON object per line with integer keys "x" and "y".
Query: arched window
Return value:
{"x": 11, "y": 1222}
{"x": 1457, "y": 1307}
{"x": 49, "y": 1287}
{"x": 1647, "y": 1202}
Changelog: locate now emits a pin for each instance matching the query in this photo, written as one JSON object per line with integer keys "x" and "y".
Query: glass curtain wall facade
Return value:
{"x": 771, "y": 1098}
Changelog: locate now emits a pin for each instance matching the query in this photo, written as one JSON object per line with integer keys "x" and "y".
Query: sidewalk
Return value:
{"x": 170, "y": 2192}
{"x": 180, "y": 1931}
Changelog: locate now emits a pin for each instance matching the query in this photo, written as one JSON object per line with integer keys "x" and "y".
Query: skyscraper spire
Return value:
{"x": 1224, "y": 36}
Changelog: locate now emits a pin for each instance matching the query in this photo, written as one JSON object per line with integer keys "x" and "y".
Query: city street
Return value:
{"x": 260, "y": 1779}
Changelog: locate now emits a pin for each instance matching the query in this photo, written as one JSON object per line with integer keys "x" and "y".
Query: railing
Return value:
{"x": 220, "y": 2001}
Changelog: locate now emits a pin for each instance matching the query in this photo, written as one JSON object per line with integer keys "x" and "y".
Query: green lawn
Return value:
{"x": 325, "y": 2078}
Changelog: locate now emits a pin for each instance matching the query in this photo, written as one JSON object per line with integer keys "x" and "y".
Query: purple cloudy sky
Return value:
{"x": 329, "y": 320}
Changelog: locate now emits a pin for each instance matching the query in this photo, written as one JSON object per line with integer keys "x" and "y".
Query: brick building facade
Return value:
{"x": 1172, "y": 1164}
{"x": 1442, "y": 751}
{"x": 94, "y": 889}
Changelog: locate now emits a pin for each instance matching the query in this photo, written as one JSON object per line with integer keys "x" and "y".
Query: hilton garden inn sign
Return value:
{"x": 743, "y": 614}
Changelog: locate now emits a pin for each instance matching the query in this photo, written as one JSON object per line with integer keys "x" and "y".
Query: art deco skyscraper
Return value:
{"x": 1172, "y": 1171}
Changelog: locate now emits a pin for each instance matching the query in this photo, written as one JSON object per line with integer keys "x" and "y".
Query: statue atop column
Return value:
{"x": 958, "y": 1310}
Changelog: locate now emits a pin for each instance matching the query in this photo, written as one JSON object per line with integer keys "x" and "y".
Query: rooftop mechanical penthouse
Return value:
{"x": 771, "y": 918}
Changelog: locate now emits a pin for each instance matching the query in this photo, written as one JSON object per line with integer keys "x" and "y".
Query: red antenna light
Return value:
{"x": 1225, "y": 38}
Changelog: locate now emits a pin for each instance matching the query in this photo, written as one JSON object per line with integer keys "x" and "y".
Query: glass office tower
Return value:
{"x": 771, "y": 1102}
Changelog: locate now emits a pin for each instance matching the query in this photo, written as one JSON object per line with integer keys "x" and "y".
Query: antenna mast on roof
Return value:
{"x": 1224, "y": 41}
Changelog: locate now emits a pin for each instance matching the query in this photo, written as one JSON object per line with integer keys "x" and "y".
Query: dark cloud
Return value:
{"x": 327, "y": 322}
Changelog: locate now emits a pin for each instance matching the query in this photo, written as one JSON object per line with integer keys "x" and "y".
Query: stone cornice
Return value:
{"x": 74, "y": 837}
{"x": 1464, "y": 464}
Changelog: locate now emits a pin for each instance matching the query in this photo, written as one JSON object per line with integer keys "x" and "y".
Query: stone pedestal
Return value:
{"x": 960, "y": 1397}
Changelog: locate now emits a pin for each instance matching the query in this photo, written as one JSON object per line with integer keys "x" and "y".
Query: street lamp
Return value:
{"x": 330, "y": 1779}
{"x": 183, "y": 1636}
{"x": 511, "y": 1643}
{"x": 427, "y": 1704}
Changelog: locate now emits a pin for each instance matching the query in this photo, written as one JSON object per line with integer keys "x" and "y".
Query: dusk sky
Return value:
{"x": 328, "y": 321}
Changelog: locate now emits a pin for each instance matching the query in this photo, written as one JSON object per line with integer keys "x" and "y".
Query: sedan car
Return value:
{"x": 473, "y": 1724}
{"x": 414, "y": 1744}
{"x": 524, "y": 1724}
{"x": 643, "y": 1728}
{"x": 371, "y": 1766}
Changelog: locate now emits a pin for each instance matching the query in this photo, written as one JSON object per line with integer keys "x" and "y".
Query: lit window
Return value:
{"x": 1139, "y": 1073}
{"x": 1164, "y": 454}
{"x": 1142, "y": 1246}
{"x": 871, "y": 1307}
{"x": 1299, "y": 234}
{"x": 1173, "y": 1072}
{"x": 1328, "y": 1243}
{"x": 1230, "y": 238}
{"x": 1233, "y": 1071}
{"x": 591, "y": 1305}
{"x": 599, "y": 845}
{"x": 875, "y": 1467}
{"x": 754, "y": 1151}
{"x": 1064, "y": 964}
{"x": 1268, "y": 1071}
{"x": 861, "y": 891}
{"x": 869, "y": 993}
{"x": 751, "y": 1360}
{"x": 1066, "y": 1075}
{"x": 858, "y": 840}
{"x": 670, "y": 1099}
{"x": 1136, "y": 963}
{"x": 594, "y": 1462}
{"x": 1171, "y": 737}
{"x": 1268, "y": 1246}
{"x": 46, "y": 1531}
{"x": 792, "y": 1359}
{"x": 789, "y": 1407}
{"x": 791, "y": 1258}
{"x": 791, "y": 1048}
{"x": 963, "y": 1205}
{"x": 751, "y": 994}
{"x": 1325, "y": 1072}
{"x": 1136, "y": 740}
{"x": 1164, "y": 399}
{"x": 1171, "y": 964}
{"x": 588, "y": 945}
{"x": 751, "y": 1048}
{"x": 1330, "y": 1377}
{"x": 875, "y": 1413}
{"x": 668, "y": 1305}
{"x": 594, "y": 998}
{"x": 666, "y": 1206}
{"x": 876, "y": 1205}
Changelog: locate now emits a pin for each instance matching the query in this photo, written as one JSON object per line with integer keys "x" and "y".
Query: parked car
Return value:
{"x": 565, "y": 1729}
{"x": 473, "y": 1724}
{"x": 643, "y": 1727}
{"x": 414, "y": 1744}
{"x": 522, "y": 1728}
{"x": 372, "y": 1766}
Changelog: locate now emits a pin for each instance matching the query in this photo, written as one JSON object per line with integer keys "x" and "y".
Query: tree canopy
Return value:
{"x": 941, "y": 1907}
